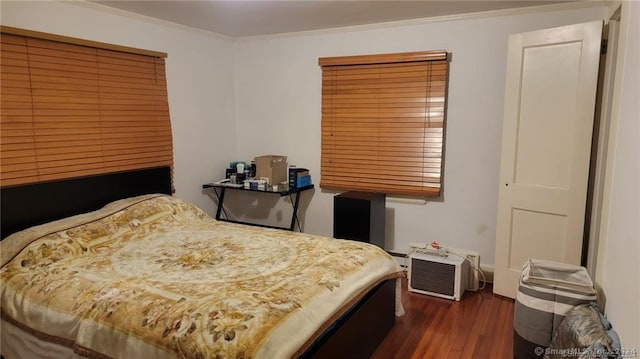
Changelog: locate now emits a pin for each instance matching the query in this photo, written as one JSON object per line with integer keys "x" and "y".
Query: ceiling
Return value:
{"x": 263, "y": 17}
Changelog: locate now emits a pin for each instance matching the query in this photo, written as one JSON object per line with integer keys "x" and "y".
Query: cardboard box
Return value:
{"x": 273, "y": 167}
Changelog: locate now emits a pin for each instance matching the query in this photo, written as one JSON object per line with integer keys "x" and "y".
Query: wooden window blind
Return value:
{"x": 71, "y": 110}
{"x": 382, "y": 122}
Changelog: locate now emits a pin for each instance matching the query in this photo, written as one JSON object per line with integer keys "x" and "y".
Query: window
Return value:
{"x": 74, "y": 108}
{"x": 383, "y": 122}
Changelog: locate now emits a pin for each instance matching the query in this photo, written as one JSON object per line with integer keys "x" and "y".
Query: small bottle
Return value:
{"x": 252, "y": 169}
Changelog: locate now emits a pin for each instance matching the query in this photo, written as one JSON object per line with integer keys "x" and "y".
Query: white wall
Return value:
{"x": 199, "y": 79}
{"x": 619, "y": 271}
{"x": 278, "y": 85}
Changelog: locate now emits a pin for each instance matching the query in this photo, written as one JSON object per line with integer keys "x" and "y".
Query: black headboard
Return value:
{"x": 29, "y": 205}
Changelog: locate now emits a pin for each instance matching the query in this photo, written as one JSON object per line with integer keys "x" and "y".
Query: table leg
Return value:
{"x": 220, "y": 200}
{"x": 294, "y": 217}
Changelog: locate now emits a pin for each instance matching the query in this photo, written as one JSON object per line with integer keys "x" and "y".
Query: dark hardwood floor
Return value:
{"x": 480, "y": 325}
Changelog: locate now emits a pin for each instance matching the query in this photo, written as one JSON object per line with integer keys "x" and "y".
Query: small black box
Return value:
{"x": 293, "y": 175}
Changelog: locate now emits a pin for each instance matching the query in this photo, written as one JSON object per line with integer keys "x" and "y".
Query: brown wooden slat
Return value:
{"x": 8, "y": 38}
{"x": 20, "y": 178}
{"x": 382, "y": 58}
{"x": 6, "y": 30}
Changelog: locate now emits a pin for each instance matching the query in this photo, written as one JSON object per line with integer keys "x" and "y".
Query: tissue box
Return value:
{"x": 273, "y": 167}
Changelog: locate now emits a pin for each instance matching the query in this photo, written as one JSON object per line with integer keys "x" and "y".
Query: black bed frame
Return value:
{"x": 354, "y": 335}
{"x": 32, "y": 204}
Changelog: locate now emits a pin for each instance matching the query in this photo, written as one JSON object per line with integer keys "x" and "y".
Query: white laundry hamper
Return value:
{"x": 546, "y": 292}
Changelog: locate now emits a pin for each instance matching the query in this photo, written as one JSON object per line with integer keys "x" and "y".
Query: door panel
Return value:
{"x": 541, "y": 151}
{"x": 546, "y": 144}
{"x": 533, "y": 233}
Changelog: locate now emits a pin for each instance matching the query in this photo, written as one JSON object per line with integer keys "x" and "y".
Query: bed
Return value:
{"x": 127, "y": 270}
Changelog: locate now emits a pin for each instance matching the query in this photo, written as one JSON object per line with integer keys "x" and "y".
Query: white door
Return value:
{"x": 549, "y": 106}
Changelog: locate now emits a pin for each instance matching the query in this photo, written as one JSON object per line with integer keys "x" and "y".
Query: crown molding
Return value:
{"x": 584, "y": 4}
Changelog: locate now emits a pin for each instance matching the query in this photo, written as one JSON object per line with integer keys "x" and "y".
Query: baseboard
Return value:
{"x": 487, "y": 270}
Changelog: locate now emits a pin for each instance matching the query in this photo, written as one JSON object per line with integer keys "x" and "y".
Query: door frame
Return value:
{"x": 601, "y": 146}
{"x": 615, "y": 13}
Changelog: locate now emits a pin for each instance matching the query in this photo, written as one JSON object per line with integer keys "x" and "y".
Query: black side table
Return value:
{"x": 219, "y": 189}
